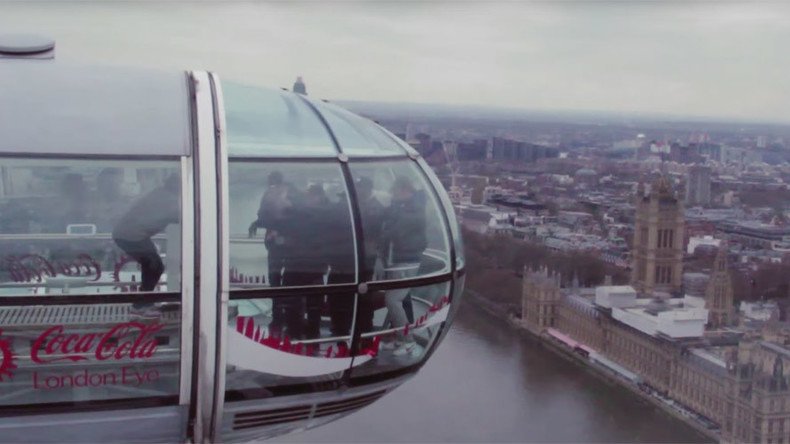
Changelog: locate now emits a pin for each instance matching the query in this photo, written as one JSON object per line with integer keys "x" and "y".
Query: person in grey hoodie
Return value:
{"x": 148, "y": 216}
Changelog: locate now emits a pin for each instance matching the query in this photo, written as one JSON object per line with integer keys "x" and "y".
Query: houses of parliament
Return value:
{"x": 729, "y": 369}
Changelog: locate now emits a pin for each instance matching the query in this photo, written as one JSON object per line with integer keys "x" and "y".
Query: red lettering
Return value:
{"x": 34, "y": 268}
{"x": 51, "y": 343}
{"x": 121, "y": 350}
{"x": 54, "y": 344}
{"x": 85, "y": 343}
{"x": 66, "y": 342}
{"x": 131, "y": 340}
{"x": 90, "y": 262}
{"x": 17, "y": 272}
{"x": 42, "y": 266}
{"x": 141, "y": 346}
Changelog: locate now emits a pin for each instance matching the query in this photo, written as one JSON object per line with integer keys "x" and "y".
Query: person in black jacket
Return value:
{"x": 403, "y": 239}
{"x": 275, "y": 203}
{"x": 273, "y": 215}
{"x": 307, "y": 260}
{"x": 342, "y": 258}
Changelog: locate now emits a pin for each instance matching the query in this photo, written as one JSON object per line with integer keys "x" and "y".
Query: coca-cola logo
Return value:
{"x": 35, "y": 268}
{"x": 129, "y": 340}
{"x": 7, "y": 364}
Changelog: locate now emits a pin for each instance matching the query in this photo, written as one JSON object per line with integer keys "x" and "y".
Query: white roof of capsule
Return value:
{"x": 51, "y": 108}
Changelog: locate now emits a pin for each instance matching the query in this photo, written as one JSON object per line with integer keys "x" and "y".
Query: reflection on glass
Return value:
{"x": 269, "y": 122}
{"x": 405, "y": 146}
{"x": 399, "y": 326}
{"x": 288, "y": 340}
{"x": 403, "y": 228}
{"x": 72, "y": 353}
{"x": 290, "y": 225}
{"x": 357, "y": 135}
{"x": 89, "y": 226}
{"x": 455, "y": 230}
{"x": 148, "y": 216}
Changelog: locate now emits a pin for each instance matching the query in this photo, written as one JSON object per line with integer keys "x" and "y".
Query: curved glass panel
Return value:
{"x": 357, "y": 135}
{"x": 406, "y": 147}
{"x": 268, "y": 122}
{"x": 404, "y": 231}
{"x": 288, "y": 340}
{"x": 458, "y": 292}
{"x": 399, "y": 326}
{"x": 450, "y": 211}
{"x": 85, "y": 227}
{"x": 89, "y": 226}
{"x": 290, "y": 225}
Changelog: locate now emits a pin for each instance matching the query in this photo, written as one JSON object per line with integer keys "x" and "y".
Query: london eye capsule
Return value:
{"x": 184, "y": 258}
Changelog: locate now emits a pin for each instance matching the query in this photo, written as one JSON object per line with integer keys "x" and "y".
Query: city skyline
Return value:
{"x": 719, "y": 61}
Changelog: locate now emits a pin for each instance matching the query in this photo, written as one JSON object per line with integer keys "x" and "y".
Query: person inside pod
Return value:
{"x": 339, "y": 240}
{"x": 342, "y": 264}
{"x": 307, "y": 255}
{"x": 302, "y": 236}
{"x": 272, "y": 217}
{"x": 372, "y": 215}
{"x": 402, "y": 242}
{"x": 148, "y": 216}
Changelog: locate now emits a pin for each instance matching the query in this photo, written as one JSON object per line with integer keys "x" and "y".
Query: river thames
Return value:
{"x": 486, "y": 383}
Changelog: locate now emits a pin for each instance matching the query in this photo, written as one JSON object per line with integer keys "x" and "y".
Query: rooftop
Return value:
{"x": 674, "y": 318}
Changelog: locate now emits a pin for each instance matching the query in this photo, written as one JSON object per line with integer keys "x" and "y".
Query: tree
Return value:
{"x": 495, "y": 262}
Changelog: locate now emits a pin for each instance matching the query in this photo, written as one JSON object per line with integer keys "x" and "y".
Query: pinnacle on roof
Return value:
{"x": 662, "y": 185}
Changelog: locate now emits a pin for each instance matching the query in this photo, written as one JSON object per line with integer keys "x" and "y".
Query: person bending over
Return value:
{"x": 148, "y": 216}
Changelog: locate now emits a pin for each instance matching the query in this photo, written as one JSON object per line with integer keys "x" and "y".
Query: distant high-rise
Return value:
{"x": 423, "y": 144}
{"x": 503, "y": 149}
{"x": 299, "y": 86}
{"x": 698, "y": 186}
{"x": 719, "y": 294}
{"x": 658, "y": 240}
{"x": 762, "y": 141}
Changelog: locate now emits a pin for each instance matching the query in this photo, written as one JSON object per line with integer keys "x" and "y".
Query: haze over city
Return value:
{"x": 698, "y": 59}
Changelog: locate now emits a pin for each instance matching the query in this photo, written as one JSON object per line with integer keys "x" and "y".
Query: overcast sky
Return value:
{"x": 703, "y": 59}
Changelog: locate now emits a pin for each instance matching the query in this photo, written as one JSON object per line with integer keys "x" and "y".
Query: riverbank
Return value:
{"x": 500, "y": 312}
